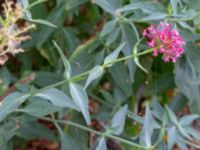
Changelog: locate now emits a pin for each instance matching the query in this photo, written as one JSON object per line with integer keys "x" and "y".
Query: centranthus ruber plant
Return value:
{"x": 89, "y": 78}
{"x": 167, "y": 40}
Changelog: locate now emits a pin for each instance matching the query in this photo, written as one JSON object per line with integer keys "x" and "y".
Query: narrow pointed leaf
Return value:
{"x": 80, "y": 97}
{"x": 66, "y": 141}
{"x": 118, "y": 121}
{"x": 187, "y": 120}
{"x": 42, "y": 21}
{"x": 11, "y": 103}
{"x": 101, "y": 145}
{"x": 40, "y": 108}
{"x": 113, "y": 56}
{"x": 147, "y": 129}
{"x": 136, "y": 59}
{"x": 108, "y": 28}
{"x": 65, "y": 61}
{"x": 172, "y": 116}
{"x": 95, "y": 73}
{"x": 171, "y": 134}
{"x": 58, "y": 98}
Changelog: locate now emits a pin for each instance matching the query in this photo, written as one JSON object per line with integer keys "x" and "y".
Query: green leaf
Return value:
{"x": 80, "y": 97}
{"x": 182, "y": 145}
{"x": 33, "y": 130}
{"x": 43, "y": 22}
{"x": 44, "y": 78}
{"x": 111, "y": 38}
{"x": 118, "y": 121}
{"x": 55, "y": 16}
{"x": 64, "y": 60}
{"x": 66, "y": 141}
{"x": 101, "y": 144}
{"x": 35, "y": 3}
{"x": 108, "y": 27}
{"x": 136, "y": 118}
{"x": 129, "y": 36}
{"x": 71, "y": 41}
{"x": 178, "y": 103}
{"x": 158, "y": 109}
{"x": 172, "y": 136}
{"x": 172, "y": 116}
{"x": 147, "y": 129}
{"x": 8, "y": 130}
{"x": 104, "y": 4}
{"x": 11, "y": 103}
{"x": 188, "y": 119}
{"x": 113, "y": 56}
{"x": 95, "y": 73}
{"x": 151, "y": 17}
{"x": 185, "y": 72}
{"x": 120, "y": 75}
{"x": 174, "y": 4}
{"x": 194, "y": 133}
{"x": 135, "y": 49}
{"x": 70, "y": 4}
{"x": 85, "y": 56}
{"x": 40, "y": 108}
{"x": 58, "y": 98}
{"x": 147, "y": 7}
{"x": 25, "y": 3}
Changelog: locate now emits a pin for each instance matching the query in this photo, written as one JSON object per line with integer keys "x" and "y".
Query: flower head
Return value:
{"x": 11, "y": 34}
{"x": 165, "y": 40}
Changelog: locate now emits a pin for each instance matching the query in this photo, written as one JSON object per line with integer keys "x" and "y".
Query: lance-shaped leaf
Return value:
{"x": 113, "y": 56}
{"x": 147, "y": 130}
{"x": 66, "y": 140}
{"x": 80, "y": 97}
{"x": 101, "y": 144}
{"x": 108, "y": 27}
{"x": 172, "y": 135}
{"x": 187, "y": 120}
{"x": 58, "y": 98}
{"x": 95, "y": 73}
{"x": 106, "y": 5}
{"x": 172, "y": 116}
{"x": 135, "y": 49}
{"x": 11, "y": 103}
{"x": 118, "y": 121}
{"x": 43, "y": 22}
{"x": 65, "y": 61}
{"x": 38, "y": 108}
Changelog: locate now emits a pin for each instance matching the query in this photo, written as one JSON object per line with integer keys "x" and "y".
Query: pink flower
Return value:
{"x": 165, "y": 40}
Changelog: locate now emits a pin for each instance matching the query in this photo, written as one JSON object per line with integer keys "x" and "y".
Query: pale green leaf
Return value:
{"x": 95, "y": 73}
{"x": 64, "y": 60}
{"x": 58, "y": 98}
{"x": 135, "y": 49}
{"x": 113, "y": 56}
{"x": 118, "y": 121}
{"x": 80, "y": 97}
{"x": 11, "y": 103}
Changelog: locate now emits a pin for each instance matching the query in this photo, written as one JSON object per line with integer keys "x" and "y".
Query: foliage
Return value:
{"x": 88, "y": 72}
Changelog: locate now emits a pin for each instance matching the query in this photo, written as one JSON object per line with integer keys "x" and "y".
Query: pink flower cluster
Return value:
{"x": 165, "y": 40}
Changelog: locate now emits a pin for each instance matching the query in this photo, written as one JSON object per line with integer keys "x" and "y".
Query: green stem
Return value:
{"x": 130, "y": 56}
{"x": 50, "y": 86}
{"x": 80, "y": 76}
{"x": 60, "y": 83}
{"x": 77, "y": 77}
{"x": 105, "y": 134}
